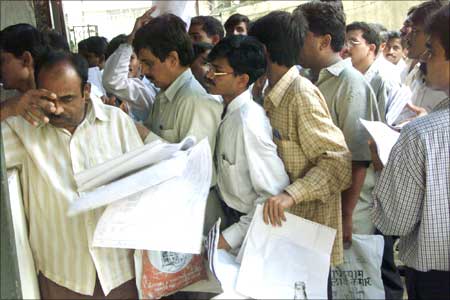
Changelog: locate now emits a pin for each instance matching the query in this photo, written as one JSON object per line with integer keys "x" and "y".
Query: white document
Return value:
{"x": 95, "y": 79}
{"x": 384, "y": 136}
{"x": 183, "y": 9}
{"x": 166, "y": 217}
{"x": 275, "y": 258}
{"x": 130, "y": 185}
{"x": 132, "y": 161}
{"x": 223, "y": 265}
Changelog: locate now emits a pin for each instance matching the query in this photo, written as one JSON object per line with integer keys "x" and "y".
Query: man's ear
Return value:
{"x": 325, "y": 41}
{"x": 243, "y": 80}
{"x": 87, "y": 91}
{"x": 215, "y": 39}
{"x": 27, "y": 59}
{"x": 372, "y": 48}
{"x": 173, "y": 59}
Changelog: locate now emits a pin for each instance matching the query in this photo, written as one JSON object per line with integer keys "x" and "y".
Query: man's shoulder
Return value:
{"x": 436, "y": 122}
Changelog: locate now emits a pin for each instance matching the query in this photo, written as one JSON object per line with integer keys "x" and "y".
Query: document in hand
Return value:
{"x": 383, "y": 135}
{"x": 165, "y": 217}
{"x": 223, "y": 265}
{"x": 111, "y": 180}
{"x": 276, "y": 259}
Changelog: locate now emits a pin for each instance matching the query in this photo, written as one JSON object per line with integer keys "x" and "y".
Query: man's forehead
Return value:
{"x": 61, "y": 70}
{"x": 196, "y": 28}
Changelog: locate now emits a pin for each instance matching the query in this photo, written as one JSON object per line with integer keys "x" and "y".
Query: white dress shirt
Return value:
{"x": 138, "y": 94}
{"x": 248, "y": 167}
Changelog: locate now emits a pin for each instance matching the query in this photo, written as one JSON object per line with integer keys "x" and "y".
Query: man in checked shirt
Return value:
{"x": 412, "y": 195}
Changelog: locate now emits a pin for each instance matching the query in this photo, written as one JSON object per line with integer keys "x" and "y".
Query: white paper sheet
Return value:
{"x": 277, "y": 257}
{"x": 166, "y": 217}
{"x": 223, "y": 265}
{"x": 130, "y": 185}
{"x": 132, "y": 161}
{"x": 384, "y": 136}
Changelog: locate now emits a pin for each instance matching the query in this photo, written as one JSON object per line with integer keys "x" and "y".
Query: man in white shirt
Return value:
{"x": 249, "y": 170}
{"x": 75, "y": 134}
{"x": 139, "y": 94}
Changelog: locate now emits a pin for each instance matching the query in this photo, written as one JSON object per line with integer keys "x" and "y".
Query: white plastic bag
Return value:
{"x": 359, "y": 277}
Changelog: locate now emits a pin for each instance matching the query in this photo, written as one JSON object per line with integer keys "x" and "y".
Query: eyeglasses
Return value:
{"x": 212, "y": 70}
{"x": 351, "y": 43}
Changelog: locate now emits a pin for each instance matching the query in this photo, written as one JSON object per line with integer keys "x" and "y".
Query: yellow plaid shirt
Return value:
{"x": 313, "y": 150}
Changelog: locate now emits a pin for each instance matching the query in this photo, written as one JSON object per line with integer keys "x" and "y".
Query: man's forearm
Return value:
{"x": 350, "y": 196}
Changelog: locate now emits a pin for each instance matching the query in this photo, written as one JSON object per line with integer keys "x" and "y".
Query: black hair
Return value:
{"x": 164, "y": 34}
{"x": 94, "y": 44}
{"x": 201, "y": 47}
{"x": 437, "y": 25}
{"x": 18, "y": 38}
{"x": 393, "y": 34}
{"x": 337, "y": 3}
{"x": 423, "y": 10}
{"x": 56, "y": 40}
{"x": 115, "y": 43}
{"x": 209, "y": 24}
{"x": 245, "y": 54}
{"x": 325, "y": 18}
{"x": 370, "y": 34}
{"x": 52, "y": 58}
{"x": 234, "y": 20}
{"x": 282, "y": 33}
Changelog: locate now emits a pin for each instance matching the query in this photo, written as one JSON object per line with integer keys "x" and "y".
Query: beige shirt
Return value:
{"x": 47, "y": 158}
{"x": 313, "y": 150}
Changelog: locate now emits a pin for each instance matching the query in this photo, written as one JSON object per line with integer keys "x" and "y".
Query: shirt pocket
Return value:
{"x": 229, "y": 177}
{"x": 170, "y": 135}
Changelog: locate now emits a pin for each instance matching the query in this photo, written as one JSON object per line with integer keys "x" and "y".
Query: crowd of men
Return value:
{"x": 279, "y": 99}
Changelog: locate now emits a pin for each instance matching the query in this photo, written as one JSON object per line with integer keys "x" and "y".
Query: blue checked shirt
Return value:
{"x": 412, "y": 196}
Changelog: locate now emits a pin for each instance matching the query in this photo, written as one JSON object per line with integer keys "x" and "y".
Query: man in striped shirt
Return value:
{"x": 75, "y": 134}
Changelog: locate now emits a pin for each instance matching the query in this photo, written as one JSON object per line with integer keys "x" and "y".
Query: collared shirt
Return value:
{"x": 349, "y": 98}
{"x": 411, "y": 197}
{"x": 385, "y": 82}
{"x": 421, "y": 94}
{"x": 248, "y": 167}
{"x": 313, "y": 151}
{"x": 184, "y": 109}
{"x": 138, "y": 94}
{"x": 47, "y": 158}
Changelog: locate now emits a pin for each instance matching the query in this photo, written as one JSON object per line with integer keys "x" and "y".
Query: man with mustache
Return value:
{"x": 71, "y": 137}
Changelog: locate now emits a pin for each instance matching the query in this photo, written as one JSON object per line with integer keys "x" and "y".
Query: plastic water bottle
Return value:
{"x": 300, "y": 291}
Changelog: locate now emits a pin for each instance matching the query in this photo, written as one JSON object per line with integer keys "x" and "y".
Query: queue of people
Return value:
{"x": 279, "y": 99}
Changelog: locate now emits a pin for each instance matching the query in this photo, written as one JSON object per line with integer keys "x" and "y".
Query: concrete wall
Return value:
{"x": 13, "y": 12}
{"x": 389, "y": 13}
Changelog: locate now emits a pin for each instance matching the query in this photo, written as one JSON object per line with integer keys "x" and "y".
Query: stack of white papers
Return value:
{"x": 384, "y": 136}
{"x": 274, "y": 259}
{"x": 165, "y": 217}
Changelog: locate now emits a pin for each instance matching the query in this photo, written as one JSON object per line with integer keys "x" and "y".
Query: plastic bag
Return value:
{"x": 359, "y": 277}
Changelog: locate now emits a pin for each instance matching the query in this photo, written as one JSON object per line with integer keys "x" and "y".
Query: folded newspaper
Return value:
{"x": 129, "y": 174}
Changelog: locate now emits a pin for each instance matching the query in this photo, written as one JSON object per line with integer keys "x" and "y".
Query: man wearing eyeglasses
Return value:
{"x": 248, "y": 167}
{"x": 362, "y": 45}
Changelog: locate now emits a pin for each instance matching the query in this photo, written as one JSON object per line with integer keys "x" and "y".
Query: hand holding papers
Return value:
{"x": 384, "y": 137}
{"x": 276, "y": 258}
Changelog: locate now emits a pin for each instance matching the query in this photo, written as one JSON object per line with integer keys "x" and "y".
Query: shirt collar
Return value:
{"x": 338, "y": 67}
{"x": 275, "y": 94}
{"x": 237, "y": 102}
{"x": 95, "y": 110}
{"x": 172, "y": 90}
